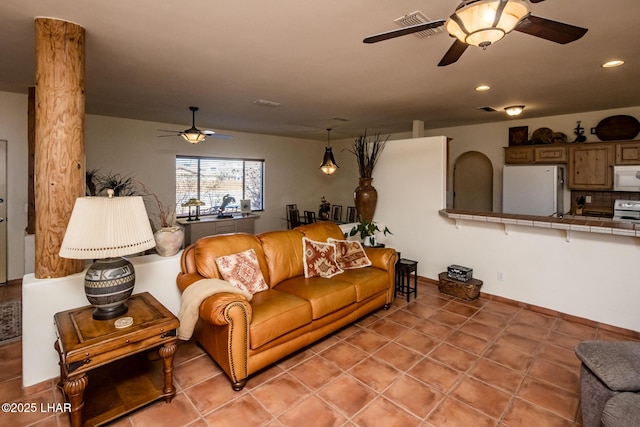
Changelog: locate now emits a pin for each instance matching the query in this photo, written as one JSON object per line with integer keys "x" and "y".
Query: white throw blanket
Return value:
{"x": 193, "y": 296}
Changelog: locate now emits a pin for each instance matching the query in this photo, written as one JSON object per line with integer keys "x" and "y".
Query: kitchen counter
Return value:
{"x": 568, "y": 223}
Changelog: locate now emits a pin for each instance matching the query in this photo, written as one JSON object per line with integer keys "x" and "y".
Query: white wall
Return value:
{"x": 592, "y": 276}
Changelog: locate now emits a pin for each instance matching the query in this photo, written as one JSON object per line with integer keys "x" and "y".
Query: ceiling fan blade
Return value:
{"x": 453, "y": 54}
{"x": 164, "y": 136}
{"x": 173, "y": 131}
{"x": 403, "y": 31}
{"x": 550, "y": 30}
{"x": 536, "y": 1}
{"x": 215, "y": 134}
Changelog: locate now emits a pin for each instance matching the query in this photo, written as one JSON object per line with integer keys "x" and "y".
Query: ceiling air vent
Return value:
{"x": 487, "y": 109}
{"x": 415, "y": 18}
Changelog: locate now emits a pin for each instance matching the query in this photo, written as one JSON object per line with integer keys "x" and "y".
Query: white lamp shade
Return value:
{"x": 103, "y": 227}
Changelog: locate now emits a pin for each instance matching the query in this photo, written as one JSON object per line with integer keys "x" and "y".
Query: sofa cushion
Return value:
{"x": 275, "y": 313}
{"x": 324, "y": 295}
{"x": 350, "y": 254}
{"x": 242, "y": 271}
{"x": 321, "y": 231}
{"x": 207, "y": 249}
{"x": 615, "y": 363}
{"x": 622, "y": 410}
{"x": 319, "y": 259}
{"x": 283, "y": 254}
{"x": 367, "y": 281}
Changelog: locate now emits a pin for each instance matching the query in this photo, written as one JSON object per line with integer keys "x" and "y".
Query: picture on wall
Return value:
{"x": 518, "y": 135}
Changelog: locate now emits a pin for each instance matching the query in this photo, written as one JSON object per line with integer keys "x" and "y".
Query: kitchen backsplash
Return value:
{"x": 601, "y": 201}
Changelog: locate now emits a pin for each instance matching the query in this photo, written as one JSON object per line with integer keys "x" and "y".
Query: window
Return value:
{"x": 211, "y": 179}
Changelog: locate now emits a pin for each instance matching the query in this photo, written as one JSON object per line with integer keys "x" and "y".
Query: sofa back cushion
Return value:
{"x": 283, "y": 254}
{"x": 321, "y": 231}
{"x": 207, "y": 249}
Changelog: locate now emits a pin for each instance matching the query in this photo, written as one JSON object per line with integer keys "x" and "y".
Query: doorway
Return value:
{"x": 473, "y": 182}
{"x": 3, "y": 212}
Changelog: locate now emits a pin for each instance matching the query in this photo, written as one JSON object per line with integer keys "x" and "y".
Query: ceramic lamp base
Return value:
{"x": 108, "y": 284}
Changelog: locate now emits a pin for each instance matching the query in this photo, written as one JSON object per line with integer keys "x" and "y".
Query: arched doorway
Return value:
{"x": 473, "y": 182}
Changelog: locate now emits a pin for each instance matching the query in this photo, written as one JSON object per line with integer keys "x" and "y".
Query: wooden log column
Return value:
{"x": 59, "y": 140}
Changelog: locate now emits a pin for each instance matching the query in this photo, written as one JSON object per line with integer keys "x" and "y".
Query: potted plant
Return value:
{"x": 367, "y": 151}
{"x": 367, "y": 231}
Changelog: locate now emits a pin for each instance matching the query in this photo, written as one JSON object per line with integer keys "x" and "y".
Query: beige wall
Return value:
{"x": 13, "y": 128}
{"x": 292, "y": 173}
{"x": 490, "y": 138}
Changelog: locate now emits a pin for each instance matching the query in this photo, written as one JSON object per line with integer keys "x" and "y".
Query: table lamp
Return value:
{"x": 105, "y": 229}
{"x": 193, "y": 202}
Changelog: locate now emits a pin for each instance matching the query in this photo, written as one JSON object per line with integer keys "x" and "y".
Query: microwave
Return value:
{"x": 626, "y": 178}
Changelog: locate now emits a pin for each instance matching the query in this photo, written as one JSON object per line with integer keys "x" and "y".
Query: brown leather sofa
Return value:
{"x": 245, "y": 336}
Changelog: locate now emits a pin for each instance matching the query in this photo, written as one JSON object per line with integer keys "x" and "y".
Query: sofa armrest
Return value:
{"x": 382, "y": 258}
{"x": 218, "y": 309}
{"x": 184, "y": 280}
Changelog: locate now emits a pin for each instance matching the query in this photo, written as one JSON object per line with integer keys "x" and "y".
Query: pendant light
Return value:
{"x": 328, "y": 165}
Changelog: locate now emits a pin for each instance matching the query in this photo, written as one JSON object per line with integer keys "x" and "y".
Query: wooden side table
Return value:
{"x": 124, "y": 374}
{"x": 404, "y": 269}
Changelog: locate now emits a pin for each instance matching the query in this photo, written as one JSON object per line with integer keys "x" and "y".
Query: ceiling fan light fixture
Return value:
{"x": 329, "y": 165}
{"x": 193, "y": 136}
{"x": 483, "y": 22}
{"x": 514, "y": 110}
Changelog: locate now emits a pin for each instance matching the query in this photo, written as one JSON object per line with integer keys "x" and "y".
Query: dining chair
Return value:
{"x": 352, "y": 214}
{"x": 288, "y": 209}
{"x": 310, "y": 216}
{"x": 294, "y": 218}
{"x": 336, "y": 213}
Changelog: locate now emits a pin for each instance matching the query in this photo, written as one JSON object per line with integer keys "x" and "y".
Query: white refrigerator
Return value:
{"x": 533, "y": 190}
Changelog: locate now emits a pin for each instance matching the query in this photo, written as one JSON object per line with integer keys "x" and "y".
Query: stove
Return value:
{"x": 627, "y": 211}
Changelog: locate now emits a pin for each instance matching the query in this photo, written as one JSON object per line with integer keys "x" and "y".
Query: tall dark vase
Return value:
{"x": 365, "y": 197}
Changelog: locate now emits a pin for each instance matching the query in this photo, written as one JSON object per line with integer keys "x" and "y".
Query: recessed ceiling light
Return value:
{"x": 483, "y": 88}
{"x": 612, "y": 64}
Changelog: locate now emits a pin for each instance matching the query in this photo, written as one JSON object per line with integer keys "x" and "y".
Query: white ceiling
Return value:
{"x": 150, "y": 60}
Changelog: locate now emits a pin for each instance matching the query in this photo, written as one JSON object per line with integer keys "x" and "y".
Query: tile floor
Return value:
{"x": 436, "y": 361}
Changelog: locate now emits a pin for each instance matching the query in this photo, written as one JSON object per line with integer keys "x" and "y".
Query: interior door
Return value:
{"x": 3, "y": 212}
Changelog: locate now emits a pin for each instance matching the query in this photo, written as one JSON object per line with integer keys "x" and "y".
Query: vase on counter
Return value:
{"x": 169, "y": 240}
{"x": 365, "y": 197}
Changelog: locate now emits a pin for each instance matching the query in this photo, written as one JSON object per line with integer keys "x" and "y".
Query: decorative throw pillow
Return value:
{"x": 319, "y": 259}
{"x": 350, "y": 254}
{"x": 242, "y": 271}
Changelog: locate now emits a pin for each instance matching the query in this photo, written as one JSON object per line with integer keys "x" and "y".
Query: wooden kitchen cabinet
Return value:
{"x": 591, "y": 166}
{"x": 628, "y": 153}
{"x": 543, "y": 154}
{"x": 550, "y": 154}
{"x": 515, "y": 155}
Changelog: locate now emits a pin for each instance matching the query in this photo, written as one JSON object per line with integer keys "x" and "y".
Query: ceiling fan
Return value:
{"x": 193, "y": 134}
{"x": 483, "y": 22}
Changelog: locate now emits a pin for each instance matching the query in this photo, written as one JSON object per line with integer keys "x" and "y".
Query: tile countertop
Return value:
{"x": 568, "y": 223}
